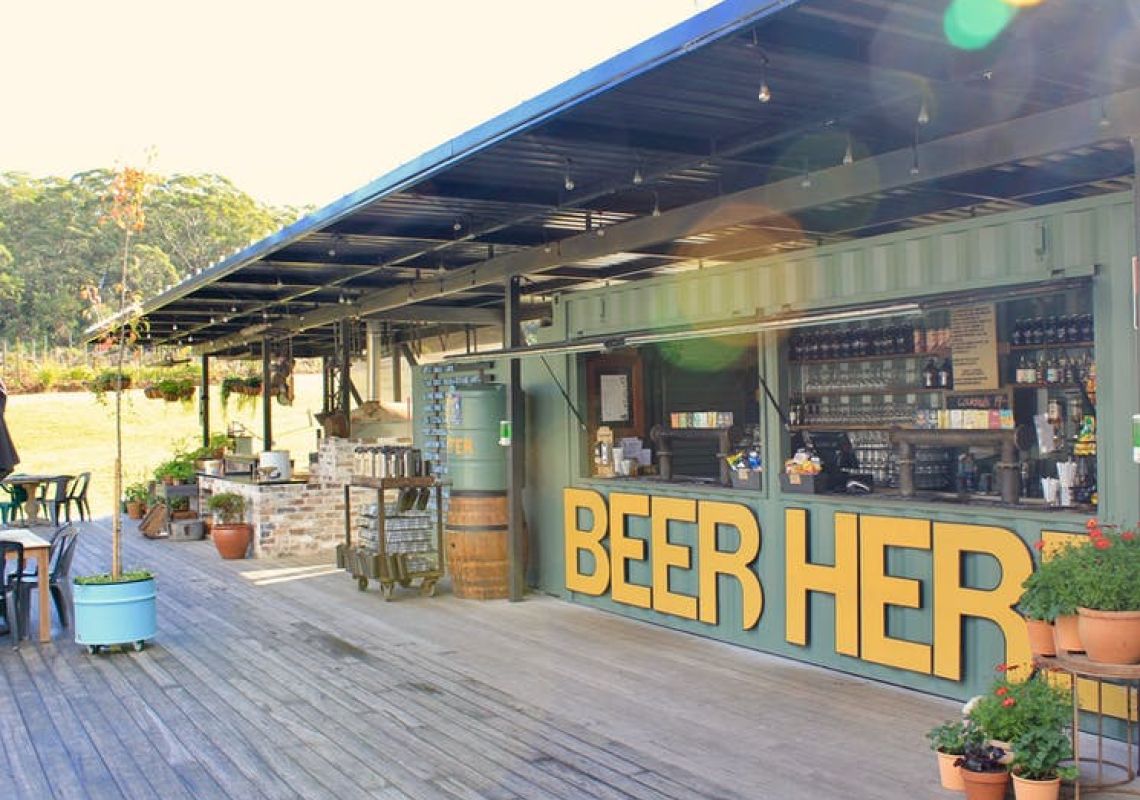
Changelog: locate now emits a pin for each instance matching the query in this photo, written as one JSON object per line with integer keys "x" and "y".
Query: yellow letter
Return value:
{"x": 840, "y": 580}
{"x": 623, "y": 549}
{"x": 880, "y": 590}
{"x": 577, "y": 540}
{"x": 712, "y": 562}
{"x": 952, "y": 601}
{"x": 666, "y": 554}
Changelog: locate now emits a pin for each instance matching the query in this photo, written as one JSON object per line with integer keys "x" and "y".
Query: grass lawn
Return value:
{"x": 72, "y": 432}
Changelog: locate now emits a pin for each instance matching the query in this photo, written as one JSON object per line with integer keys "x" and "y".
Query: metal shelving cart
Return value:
{"x": 397, "y": 543}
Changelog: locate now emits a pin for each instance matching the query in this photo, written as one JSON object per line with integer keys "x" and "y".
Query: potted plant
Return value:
{"x": 109, "y": 380}
{"x": 1108, "y": 595}
{"x": 984, "y": 774}
{"x": 230, "y": 532}
{"x": 136, "y": 495}
{"x": 118, "y": 607}
{"x": 1011, "y": 708}
{"x": 247, "y": 389}
{"x": 179, "y": 469}
{"x": 1037, "y": 770}
{"x": 176, "y": 389}
{"x": 948, "y": 741}
{"x": 1049, "y": 599}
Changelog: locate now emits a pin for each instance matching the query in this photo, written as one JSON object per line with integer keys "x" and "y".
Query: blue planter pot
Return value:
{"x": 115, "y": 613}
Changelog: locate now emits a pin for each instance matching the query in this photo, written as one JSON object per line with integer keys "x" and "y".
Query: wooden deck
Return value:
{"x": 280, "y": 679}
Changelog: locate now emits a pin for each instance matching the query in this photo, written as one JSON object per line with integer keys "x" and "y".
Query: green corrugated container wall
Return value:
{"x": 476, "y": 460}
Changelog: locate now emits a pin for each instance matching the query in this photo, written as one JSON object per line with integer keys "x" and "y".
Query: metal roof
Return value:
{"x": 674, "y": 162}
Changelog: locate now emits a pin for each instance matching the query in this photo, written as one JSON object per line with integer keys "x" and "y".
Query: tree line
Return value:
{"x": 56, "y": 246}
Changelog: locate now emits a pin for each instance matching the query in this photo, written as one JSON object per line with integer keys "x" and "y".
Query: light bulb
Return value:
{"x": 600, "y": 231}
{"x": 332, "y": 252}
{"x": 923, "y": 114}
{"x": 638, "y": 178}
{"x": 914, "y": 170}
{"x": 765, "y": 93}
{"x": 212, "y": 320}
{"x": 805, "y": 181}
{"x": 174, "y": 327}
{"x": 457, "y": 226}
{"x": 656, "y": 206}
{"x": 848, "y": 155}
{"x": 569, "y": 183}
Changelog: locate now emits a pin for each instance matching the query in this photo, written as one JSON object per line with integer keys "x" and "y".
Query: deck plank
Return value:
{"x": 279, "y": 679}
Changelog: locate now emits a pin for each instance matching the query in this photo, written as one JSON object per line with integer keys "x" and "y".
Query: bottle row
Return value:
{"x": 1061, "y": 329}
{"x": 1057, "y": 368}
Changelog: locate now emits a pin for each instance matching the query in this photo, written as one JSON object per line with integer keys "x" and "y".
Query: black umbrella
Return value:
{"x": 9, "y": 458}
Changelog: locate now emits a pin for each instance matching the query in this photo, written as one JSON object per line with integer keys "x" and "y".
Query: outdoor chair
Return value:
{"x": 59, "y": 578}
{"x": 53, "y": 497}
{"x": 12, "y": 503}
{"x": 77, "y": 496}
{"x": 10, "y": 589}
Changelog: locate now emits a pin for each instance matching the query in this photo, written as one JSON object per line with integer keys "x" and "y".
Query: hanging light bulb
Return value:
{"x": 568, "y": 182}
{"x": 638, "y": 178}
{"x": 1104, "y": 121}
{"x": 914, "y": 170}
{"x": 805, "y": 181}
{"x": 457, "y": 226}
{"x": 174, "y": 326}
{"x": 848, "y": 154}
{"x": 212, "y": 320}
{"x": 656, "y": 205}
{"x": 923, "y": 117}
{"x": 233, "y": 309}
{"x": 765, "y": 93}
{"x": 600, "y": 231}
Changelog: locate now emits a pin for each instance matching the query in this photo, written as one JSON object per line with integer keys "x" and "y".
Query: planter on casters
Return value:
{"x": 118, "y": 613}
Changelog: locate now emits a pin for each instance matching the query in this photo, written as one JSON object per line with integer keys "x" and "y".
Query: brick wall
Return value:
{"x": 293, "y": 518}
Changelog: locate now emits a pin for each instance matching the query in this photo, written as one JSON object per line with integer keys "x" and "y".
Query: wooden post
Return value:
{"x": 345, "y": 356}
{"x": 266, "y": 406}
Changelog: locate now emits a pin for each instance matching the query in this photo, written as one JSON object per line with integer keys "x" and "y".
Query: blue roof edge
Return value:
{"x": 703, "y": 28}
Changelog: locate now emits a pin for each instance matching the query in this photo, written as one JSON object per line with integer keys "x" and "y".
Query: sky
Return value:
{"x": 296, "y": 103}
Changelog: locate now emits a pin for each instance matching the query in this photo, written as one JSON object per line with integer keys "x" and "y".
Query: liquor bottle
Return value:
{"x": 1051, "y": 330}
{"x": 1039, "y": 370}
{"x": 1017, "y": 338}
{"x": 1024, "y": 372}
{"x": 1086, "y": 327}
{"x": 1073, "y": 328}
{"x": 1036, "y": 331}
{"x": 1067, "y": 371}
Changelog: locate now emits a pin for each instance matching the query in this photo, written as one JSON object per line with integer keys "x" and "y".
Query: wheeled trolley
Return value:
{"x": 399, "y": 539}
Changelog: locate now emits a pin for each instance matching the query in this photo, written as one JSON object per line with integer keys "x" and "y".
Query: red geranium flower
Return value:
{"x": 1039, "y": 544}
{"x": 1001, "y": 667}
{"x": 1102, "y": 544}
{"x": 1128, "y": 536}
{"x": 1092, "y": 523}
{"x": 1007, "y": 702}
{"x": 1001, "y": 691}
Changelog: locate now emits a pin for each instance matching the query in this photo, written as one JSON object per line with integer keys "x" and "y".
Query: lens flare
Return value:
{"x": 1024, "y": 3}
{"x": 706, "y": 355}
{"x": 974, "y": 24}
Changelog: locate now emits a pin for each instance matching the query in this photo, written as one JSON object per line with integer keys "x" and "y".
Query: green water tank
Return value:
{"x": 476, "y": 461}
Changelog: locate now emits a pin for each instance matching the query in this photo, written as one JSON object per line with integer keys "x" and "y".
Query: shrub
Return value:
{"x": 227, "y": 506}
{"x": 1011, "y": 708}
{"x": 1107, "y": 570}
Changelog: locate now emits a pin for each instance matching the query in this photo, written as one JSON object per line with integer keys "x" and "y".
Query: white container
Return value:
{"x": 278, "y": 460}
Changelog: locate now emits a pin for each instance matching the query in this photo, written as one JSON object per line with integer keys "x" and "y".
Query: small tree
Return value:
{"x": 126, "y": 212}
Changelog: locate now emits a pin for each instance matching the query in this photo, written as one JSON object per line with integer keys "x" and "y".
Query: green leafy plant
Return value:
{"x": 950, "y": 737}
{"x": 1050, "y": 592}
{"x": 131, "y": 576}
{"x": 1038, "y": 753}
{"x": 215, "y": 448}
{"x": 176, "y": 389}
{"x": 137, "y": 492}
{"x": 247, "y": 388}
{"x": 179, "y": 468}
{"x": 1107, "y": 570}
{"x": 107, "y": 381}
{"x": 1011, "y": 708}
{"x": 227, "y": 506}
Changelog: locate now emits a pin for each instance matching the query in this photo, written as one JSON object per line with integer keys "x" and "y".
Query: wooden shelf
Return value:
{"x": 1050, "y": 346}
{"x": 857, "y": 359}
{"x": 840, "y": 426}
{"x": 1045, "y": 385}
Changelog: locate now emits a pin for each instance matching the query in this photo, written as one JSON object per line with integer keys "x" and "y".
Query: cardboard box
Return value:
{"x": 750, "y": 479}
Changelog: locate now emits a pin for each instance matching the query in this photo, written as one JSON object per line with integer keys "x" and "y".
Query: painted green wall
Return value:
{"x": 1089, "y": 237}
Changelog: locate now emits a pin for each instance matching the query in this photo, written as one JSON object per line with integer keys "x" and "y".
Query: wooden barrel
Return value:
{"x": 475, "y": 539}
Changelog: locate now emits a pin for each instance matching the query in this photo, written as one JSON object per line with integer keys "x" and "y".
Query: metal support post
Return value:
{"x": 266, "y": 406}
{"x": 204, "y": 401}
{"x": 345, "y": 357}
{"x": 516, "y": 453}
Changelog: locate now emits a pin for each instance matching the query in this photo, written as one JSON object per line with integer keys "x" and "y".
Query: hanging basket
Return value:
{"x": 151, "y": 391}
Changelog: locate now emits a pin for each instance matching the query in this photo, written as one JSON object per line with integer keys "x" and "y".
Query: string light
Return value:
{"x": 568, "y": 181}
{"x": 765, "y": 93}
{"x": 923, "y": 117}
{"x": 656, "y": 205}
{"x": 638, "y": 178}
{"x": 848, "y": 154}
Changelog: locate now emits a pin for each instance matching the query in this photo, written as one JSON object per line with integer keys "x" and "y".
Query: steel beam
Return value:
{"x": 204, "y": 401}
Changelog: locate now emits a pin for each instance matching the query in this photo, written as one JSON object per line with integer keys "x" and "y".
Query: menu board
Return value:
{"x": 973, "y": 335}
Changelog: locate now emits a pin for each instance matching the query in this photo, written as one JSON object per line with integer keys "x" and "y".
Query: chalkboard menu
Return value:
{"x": 973, "y": 336}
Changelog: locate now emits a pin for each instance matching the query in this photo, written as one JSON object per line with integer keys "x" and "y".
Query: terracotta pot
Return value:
{"x": 232, "y": 538}
{"x": 135, "y": 509}
{"x": 985, "y": 785}
{"x": 1110, "y": 637}
{"x": 1025, "y": 789}
{"x": 1067, "y": 635}
{"x": 1041, "y": 637}
{"x": 950, "y": 775}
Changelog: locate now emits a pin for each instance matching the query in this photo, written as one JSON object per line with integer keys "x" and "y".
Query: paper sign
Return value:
{"x": 973, "y": 335}
{"x": 615, "y": 397}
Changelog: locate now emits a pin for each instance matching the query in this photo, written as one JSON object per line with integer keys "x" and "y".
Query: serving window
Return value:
{"x": 669, "y": 410}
